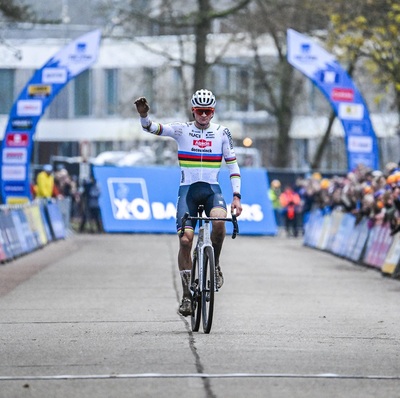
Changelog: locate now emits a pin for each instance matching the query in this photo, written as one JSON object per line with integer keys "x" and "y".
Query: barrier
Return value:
{"x": 143, "y": 199}
{"x": 392, "y": 260}
{"x": 378, "y": 245}
{"x": 339, "y": 233}
{"x": 358, "y": 241}
{"x": 28, "y": 227}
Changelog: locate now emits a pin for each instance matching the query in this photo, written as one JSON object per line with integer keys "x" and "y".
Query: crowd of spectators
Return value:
{"x": 363, "y": 192}
{"x": 83, "y": 197}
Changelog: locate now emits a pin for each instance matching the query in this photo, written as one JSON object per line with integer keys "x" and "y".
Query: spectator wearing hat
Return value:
{"x": 45, "y": 187}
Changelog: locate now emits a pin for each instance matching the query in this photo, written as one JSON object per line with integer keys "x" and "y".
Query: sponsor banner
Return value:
{"x": 3, "y": 254}
{"x": 346, "y": 100}
{"x": 30, "y": 241}
{"x": 14, "y": 189}
{"x": 54, "y": 75}
{"x": 6, "y": 253}
{"x": 45, "y": 220}
{"x": 21, "y": 124}
{"x": 17, "y": 140}
{"x": 56, "y": 221}
{"x": 314, "y": 229}
{"x": 325, "y": 233}
{"x": 378, "y": 246}
{"x": 32, "y": 102}
{"x": 350, "y": 111}
{"x": 341, "y": 239}
{"x": 392, "y": 259}
{"x": 12, "y": 234}
{"x": 140, "y": 199}
{"x": 15, "y": 155}
{"x": 13, "y": 173}
{"x": 19, "y": 229}
{"x": 360, "y": 144}
{"x": 337, "y": 233}
{"x": 39, "y": 90}
{"x": 29, "y": 107}
{"x": 37, "y": 224}
{"x": 342, "y": 94}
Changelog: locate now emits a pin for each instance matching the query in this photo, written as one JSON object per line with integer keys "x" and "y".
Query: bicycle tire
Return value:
{"x": 207, "y": 294}
{"x": 196, "y": 299}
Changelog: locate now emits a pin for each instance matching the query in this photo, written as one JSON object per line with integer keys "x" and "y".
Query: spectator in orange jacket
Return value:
{"x": 290, "y": 202}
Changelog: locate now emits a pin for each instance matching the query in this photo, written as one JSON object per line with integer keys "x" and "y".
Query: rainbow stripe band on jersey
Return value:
{"x": 187, "y": 159}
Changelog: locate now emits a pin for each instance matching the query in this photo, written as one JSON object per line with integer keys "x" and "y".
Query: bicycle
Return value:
{"x": 203, "y": 282}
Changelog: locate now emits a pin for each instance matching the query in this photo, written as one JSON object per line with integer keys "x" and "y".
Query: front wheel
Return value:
{"x": 194, "y": 287}
{"x": 207, "y": 294}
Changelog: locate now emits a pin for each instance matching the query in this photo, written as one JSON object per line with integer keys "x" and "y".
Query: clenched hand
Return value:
{"x": 142, "y": 106}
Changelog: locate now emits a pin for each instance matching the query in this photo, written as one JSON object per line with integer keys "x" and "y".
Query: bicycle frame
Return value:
{"x": 204, "y": 235}
{"x": 203, "y": 240}
{"x": 205, "y": 285}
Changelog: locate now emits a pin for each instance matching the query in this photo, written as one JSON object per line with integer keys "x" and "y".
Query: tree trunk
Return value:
{"x": 202, "y": 28}
{"x": 284, "y": 115}
{"x": 316, "y": 163}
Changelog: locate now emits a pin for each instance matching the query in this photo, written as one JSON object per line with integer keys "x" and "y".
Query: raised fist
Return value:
{"x": 142, "y": 106}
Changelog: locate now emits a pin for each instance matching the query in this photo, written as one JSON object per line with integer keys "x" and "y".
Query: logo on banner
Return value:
{"x": 351, "y": 111}
{"x": 358, "y": 128}
{"x": 54, "y": 75}
{"x": 21, "y": 124}
{"x": 305, "y": 53}
{"x": 342, "y": 94}
{"x": 130, "y": 201}
{"x": 360, "y": 144}
{"x": 15, "y": 155}
{"x": 17, "y": 139}
{"x": 14, "y": 188}
{"x": 29, "y": 107}
{"x": 330, "y": 77}
{"x": 81, "y": 55}
{"x": 202, "y": 143}
{"x": 39, "y": 90}
{"x": 13, "y": 173}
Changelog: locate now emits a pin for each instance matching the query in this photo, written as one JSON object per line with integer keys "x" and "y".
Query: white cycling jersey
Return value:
{"x": 200, "y": 152}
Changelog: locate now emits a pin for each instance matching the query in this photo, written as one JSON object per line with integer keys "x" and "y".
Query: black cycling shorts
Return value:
{"x": 191, "y": 196}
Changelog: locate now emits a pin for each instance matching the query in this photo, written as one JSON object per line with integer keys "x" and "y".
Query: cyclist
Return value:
{"x": 201, "y": 147}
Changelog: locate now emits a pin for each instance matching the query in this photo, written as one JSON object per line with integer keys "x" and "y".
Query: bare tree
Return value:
{"x": 14, "y": 10}
{"x": 179, "y": 18}
{"x": 280, "y": 83}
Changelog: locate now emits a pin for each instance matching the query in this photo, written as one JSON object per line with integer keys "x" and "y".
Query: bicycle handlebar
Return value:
{"x": 233, "y": 220}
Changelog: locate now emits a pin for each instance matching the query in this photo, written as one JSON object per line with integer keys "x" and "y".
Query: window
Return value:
{"x": 7, "y": 77}
{"x": 111, "y": 91}
{"x": 82, "y": 94}
{"x": 58, "y": 108}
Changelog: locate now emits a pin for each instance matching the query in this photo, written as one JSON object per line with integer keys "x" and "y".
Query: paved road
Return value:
{"x": 96, "y": 316}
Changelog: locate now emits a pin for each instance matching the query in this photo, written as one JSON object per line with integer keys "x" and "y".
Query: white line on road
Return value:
{"x": 201, "y": 376}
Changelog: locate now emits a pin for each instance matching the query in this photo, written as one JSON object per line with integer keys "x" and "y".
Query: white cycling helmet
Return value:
{"x": 203, "y": 99}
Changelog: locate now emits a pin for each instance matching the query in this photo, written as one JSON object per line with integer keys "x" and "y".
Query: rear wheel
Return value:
{"x": 207, "y": 294}
{"x": 194, "y": 287}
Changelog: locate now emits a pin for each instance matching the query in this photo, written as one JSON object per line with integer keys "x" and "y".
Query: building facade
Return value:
{"x": 94, "y": 112}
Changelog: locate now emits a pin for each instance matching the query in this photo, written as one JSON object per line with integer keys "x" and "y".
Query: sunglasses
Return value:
{"x": 200, "y": 111}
